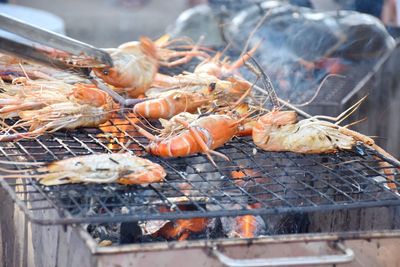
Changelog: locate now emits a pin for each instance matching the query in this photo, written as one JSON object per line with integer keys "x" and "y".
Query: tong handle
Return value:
{"x": 53, "y": 40}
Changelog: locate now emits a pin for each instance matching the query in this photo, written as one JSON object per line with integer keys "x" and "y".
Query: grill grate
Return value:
{"x": 253, "y": 182}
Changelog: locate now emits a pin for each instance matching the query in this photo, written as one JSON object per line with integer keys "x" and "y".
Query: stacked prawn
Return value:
{"x": 199, "y": 112}
{"x": 202, "y": 91}
{"x": 136, "y": 63}
{"x": 214, "y": 83}
{"x": 191, "y": 92}
{"x": 25, "y": 94}
{"x": 80, "y": 105}
{"x": 44, "y": 109}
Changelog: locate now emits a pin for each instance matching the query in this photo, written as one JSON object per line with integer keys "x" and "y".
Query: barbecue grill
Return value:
{"x": 331, "y": 208}
{"x": 278, "y": 184}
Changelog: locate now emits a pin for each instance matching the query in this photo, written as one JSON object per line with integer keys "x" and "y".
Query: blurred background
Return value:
{"x": 108, "y": 23}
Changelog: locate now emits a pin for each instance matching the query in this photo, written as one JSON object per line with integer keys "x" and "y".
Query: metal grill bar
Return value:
{"x": 277, "y": 182}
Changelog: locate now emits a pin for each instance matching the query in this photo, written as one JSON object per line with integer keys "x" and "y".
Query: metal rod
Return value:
{"x": 53, "y": 40}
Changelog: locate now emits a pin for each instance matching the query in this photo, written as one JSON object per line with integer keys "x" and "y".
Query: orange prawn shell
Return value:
{"x": 278, "y": 118}
{"x": 87, "y": 94}
{"x": 93, "y": 104}
{"x": 154, "y": 174}
{"x": 215, "y": 130}
{"x": 91, "y": 95}
{"x": 135, "y": 67}
{"x": 239, "y": 86}
{"x": 169, "y": 105}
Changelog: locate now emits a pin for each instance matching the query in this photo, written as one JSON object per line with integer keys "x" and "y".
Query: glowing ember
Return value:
{"x": 115, "y": 131}
{"x": 181, "y": 229}
{"x": 247, "y": 225}
{"x": 390, "y": 174}
{"x": 241, "y": 176}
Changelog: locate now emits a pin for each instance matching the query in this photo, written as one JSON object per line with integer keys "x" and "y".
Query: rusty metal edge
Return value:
{"x": 209, "y": 244}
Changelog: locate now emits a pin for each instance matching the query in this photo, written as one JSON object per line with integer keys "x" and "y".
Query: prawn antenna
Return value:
{"x": 266, "y": 83}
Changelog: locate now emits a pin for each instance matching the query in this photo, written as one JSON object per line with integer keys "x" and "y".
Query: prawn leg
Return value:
{"x": 187, "y": 57}
{"x": 18, "y": 136}
{"x": 14, "y": 108}
{"x": 345, "y": 114}
{"x": 143, "y": 132}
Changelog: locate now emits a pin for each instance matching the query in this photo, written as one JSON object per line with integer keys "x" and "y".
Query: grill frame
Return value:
{"x": 90, "y": 133}
{"x": 29, "y": 203}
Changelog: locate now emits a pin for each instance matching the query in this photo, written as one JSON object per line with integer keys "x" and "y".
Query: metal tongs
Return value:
{"x": 55, "y": 50}
{"x": 49, "y": 48}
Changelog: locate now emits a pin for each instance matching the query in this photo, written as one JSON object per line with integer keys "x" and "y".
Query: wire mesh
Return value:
{"x": 252, "y": 182}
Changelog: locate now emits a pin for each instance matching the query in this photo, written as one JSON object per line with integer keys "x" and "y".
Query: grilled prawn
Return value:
{"x": 199, "y": 135}
{"x": 191, "y": 92}
{"x": 281, "y": 131}
{"x": 136, "y": 64}
{"x": 98, "y": 168}
{"x": 231, "y": 86}
{"x": 170, "y": 103}
{"x": 85, "y": 107}
{"x": 25, "y": 94}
